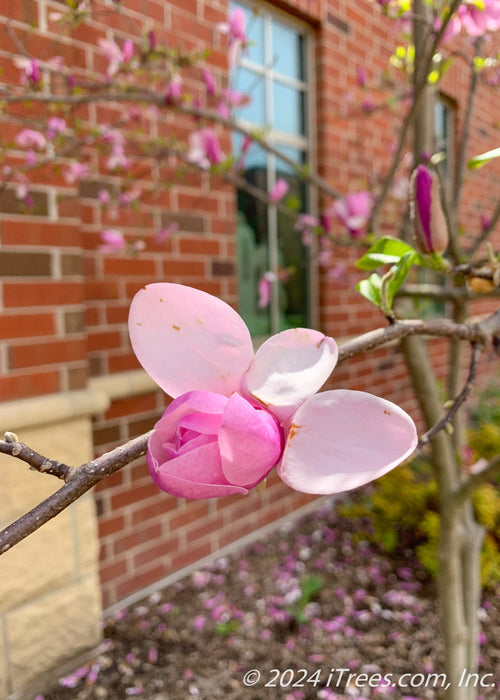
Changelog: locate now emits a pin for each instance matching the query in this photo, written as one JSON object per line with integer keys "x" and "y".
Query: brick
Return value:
{"x": 71, "y": 265}
{"x": 139, "y": 581}
{"x": 124, "y": 407}
{"x": 125, "y": 498}
{"x": 156, "y": 552}
{"x": 103, "y": 436}
{"x": 110, "y": 526}
{"x": 74, "y": 322}
{"x": 222, "y": 268}
{"x": 127, "y": 541}
{"x": 24, "y": 385}
{"x": 40, "y": 234}
{"x": 48, "y": 353}
{"x": 10, "y": 204}
{"x": 190, "y": 223}
{"x": 78, "y": 377}
{"x": 20, "y": 264}
{"x": 54, "y": 293}
{"x": 26, "y": 325}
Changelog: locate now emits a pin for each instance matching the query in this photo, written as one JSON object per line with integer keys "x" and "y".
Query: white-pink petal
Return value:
{"x": 290, "y": 367}
{"x": 342, "y": 439}
{"x": 187, "y": 339}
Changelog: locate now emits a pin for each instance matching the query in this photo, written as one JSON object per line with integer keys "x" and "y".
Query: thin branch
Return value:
{"x": 159, "y": 100}
{"x": 82, "y": 480}
{"x": 420, "y": 84}
{"x": 466, "y": 130}
{"x": 485, "y": 232}
{"x": 37, "y": 462}
{"x": 450, "y": 415}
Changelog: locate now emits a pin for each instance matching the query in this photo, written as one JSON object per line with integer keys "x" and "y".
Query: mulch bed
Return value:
{"x": 303, "y": 604}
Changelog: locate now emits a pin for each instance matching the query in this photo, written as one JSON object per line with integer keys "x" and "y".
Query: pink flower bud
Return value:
{"x": 430, "y": 229}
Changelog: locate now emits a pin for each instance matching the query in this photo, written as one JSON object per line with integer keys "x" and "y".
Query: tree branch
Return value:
{"x": 79, "y": 480}
{"x": 446, "y": 420}
{"x": 82, "y": 480}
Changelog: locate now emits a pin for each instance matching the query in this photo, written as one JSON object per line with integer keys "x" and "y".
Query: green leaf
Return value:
{"x": 385, "y": 251}
{"x": 483, "y": 158}
{"x": 370, "y": 288}
{"x": 400, "y": 270}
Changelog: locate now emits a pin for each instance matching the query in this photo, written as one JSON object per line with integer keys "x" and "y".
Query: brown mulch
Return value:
{"x": 298, "y": 607}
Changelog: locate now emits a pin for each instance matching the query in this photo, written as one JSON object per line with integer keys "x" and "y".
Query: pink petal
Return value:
{"x": 187, "y": 339}
{"x": 250, "y": 442}
{"x": 342, "y": 439}
{"x": 288, "y": 368}
{"x": 196, "y": 474}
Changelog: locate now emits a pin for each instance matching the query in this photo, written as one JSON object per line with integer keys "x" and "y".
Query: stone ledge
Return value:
{"x": 95, "y": 399}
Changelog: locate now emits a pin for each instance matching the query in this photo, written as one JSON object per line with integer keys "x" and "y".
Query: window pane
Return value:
{"x": 253, "y": 245}
{"x": 293, "y": 255}
{"x": 288, "y": 109}
{"x": 251, "y": 84}
{"x": 287, "y": 52}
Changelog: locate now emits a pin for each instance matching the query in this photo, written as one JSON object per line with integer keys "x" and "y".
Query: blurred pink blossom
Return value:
{"x": 204, "y": 148}
{"x": 354, "y": 212}
{"x": 113, "y": 241}
{"x": 29, "y": 138}
{"x": 279, "y": 190}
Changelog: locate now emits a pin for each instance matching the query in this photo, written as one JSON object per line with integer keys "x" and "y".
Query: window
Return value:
{"x": 274, "y": 72}
{"x": 444, "y": 136}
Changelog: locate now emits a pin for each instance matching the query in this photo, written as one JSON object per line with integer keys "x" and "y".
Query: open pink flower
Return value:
{"x": 235, "y": 416}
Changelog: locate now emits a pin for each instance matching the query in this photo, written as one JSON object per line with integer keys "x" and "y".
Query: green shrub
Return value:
{"x": 401, "y": 511}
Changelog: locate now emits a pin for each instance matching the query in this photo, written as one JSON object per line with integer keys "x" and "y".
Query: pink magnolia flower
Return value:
{"x": 209, "y": 80}
{"x": 115, "y": 55}
{"x": 174, "y": 89}
{"x": 30, "y": 70}
{"x": 166, "y": 234}
{"x": 204, "y": 148}
{"x": 235, "y": 28}
{"x": 74, "y": 172}
{"x": 29, "y": 138}
{"x": 279, "y": 190}
{"x": 55, "y": 126}
{"x": 112, "y": 241}
{"x": 235, "y": 416}
{"x": 354, "y": 211}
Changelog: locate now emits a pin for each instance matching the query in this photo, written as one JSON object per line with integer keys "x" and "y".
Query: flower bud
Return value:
{"x": 429, "y": 224}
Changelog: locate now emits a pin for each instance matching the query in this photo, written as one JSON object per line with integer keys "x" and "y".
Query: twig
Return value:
{"x": 37, "y": 462}
{"x": 485, "y": 232}
{"x": 82, "y": 480}
{"x": 85, "y": 477}
{"x": 446, "y": 420}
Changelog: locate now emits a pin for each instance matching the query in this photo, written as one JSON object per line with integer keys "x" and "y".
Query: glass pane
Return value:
{"x": 251, "y": 84}
{"x": 253, "y": 248}
{"x": 293, "y": 255}
{"x": 287, "y": 52}
{"x": 288, "y": 109}
{"x": 255, "y": 34}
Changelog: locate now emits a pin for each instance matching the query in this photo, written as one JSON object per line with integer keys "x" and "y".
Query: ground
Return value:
{"x": 297, "y": 608}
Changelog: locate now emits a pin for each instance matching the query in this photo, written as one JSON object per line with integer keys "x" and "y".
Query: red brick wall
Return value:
{"x": 65, "y": 305}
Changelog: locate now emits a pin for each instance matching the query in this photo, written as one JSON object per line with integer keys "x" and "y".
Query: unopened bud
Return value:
{"x": 429, "y": 223}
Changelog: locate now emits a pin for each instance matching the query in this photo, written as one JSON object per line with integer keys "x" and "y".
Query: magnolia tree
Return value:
{"x": 234, "y": 417}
